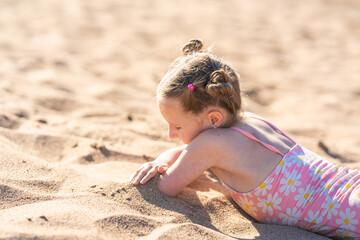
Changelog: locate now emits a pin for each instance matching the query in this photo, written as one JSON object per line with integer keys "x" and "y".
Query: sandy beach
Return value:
{"x": 78, "y": 112}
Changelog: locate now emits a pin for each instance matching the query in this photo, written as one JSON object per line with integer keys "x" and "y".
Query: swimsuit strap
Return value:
{"x": 257, "y": 140}
{"x": 272, "y": 125}
{"x": 261, "y": 142}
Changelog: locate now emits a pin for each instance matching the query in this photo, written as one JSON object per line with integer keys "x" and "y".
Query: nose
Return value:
{"x": 172, "y": 133}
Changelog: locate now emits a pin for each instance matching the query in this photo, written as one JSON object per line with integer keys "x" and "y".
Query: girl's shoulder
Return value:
{"x": 245, "y": 136}
{"x": 220, "y": 142}
{"x": 227, "y": 137}
{"x": 217, "y": 136}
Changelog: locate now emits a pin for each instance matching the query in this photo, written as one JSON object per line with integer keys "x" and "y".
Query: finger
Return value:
{"x": 141, "y": 174}
{"x": 150, "y": 174}
{"x": 135, "y": 173}
{"x": 145, "y": 165}
{"x": 132, "y": 176}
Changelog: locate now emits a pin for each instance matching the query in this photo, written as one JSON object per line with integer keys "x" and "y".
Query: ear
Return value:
{"x": 216, "y": 118}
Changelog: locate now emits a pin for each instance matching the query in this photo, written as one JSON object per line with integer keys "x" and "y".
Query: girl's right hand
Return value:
{"x": 147, "y": 171}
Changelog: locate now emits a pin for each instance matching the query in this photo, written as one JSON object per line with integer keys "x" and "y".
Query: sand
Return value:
{"x": 78, "y": 113}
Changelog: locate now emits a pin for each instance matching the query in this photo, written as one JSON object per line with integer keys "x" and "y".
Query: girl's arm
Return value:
{"x": 198, "y": 156}
{"x": 148, "y": 170}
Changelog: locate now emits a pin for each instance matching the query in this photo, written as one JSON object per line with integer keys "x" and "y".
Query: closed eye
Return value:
{"x": 177, "y": 128}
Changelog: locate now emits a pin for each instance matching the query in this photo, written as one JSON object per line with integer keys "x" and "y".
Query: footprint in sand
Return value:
{"x": 57, "y": 104}
{"x": 11, "y": 197}
{"x": 7, "y": 121}
{"x": 128, "y": 225}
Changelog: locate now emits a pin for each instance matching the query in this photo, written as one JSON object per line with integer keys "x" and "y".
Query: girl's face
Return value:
{"x": 183, "y": 126}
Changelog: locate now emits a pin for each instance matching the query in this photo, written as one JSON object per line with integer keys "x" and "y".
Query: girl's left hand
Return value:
{"x": 147, "y": 171}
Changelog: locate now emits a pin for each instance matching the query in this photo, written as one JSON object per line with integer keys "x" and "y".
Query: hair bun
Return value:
{"x": 219, "y": 84}
{"x": 219, "y": 76}
{"x": 193, "y": 46}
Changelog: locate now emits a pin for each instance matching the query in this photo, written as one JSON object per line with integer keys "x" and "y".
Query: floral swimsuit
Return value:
{"x": 306, "y": 191}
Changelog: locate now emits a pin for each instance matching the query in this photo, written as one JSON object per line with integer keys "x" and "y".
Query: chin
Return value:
{"x": 186, "y": 141}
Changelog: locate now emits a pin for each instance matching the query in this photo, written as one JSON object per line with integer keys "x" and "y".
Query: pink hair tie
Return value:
{"x": 191, "y": 87}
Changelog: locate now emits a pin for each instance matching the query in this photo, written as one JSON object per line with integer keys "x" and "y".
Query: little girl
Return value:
{"x": 268, "y": 174}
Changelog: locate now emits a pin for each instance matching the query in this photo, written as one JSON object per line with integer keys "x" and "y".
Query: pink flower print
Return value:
{"x": 291, "y": 217}
{"x": 345, "y": 234}
{"x": 282, "y": 166}
{"x": 233, "y": 193}
{"x": 346, "y": 186}
{"x": 264, "y": 187}
{"x": 327, "y": 187}
{"x": 329, "y": 207}
{"x": 306, "y": 158}
{"x": 316, "y": 172}
{"x": 305, "y": 195}
{"x": 332, "y": 168}
{"x": 247, "y": 205}
{"x": 297, "y": 159}
{"x": 355, "y": 197}
{"x": 347, "y": 219}
{"x": 310, "y": 156}
{"x": 297, "y": 150}
{"x": 314, "y": 218}
{"x": 290, "y": 182}
{"x": 270, "y": 204}
{"x": 240, "y": 197}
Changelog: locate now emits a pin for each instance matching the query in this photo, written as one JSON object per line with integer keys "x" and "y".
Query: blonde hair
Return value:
{"x": 214, "y": 82}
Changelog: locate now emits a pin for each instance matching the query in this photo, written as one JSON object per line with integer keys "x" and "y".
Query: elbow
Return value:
{"x": 166, "y": 188}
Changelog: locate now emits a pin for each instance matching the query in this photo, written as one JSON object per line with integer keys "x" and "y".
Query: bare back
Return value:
{"x": 249, "y": 162}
